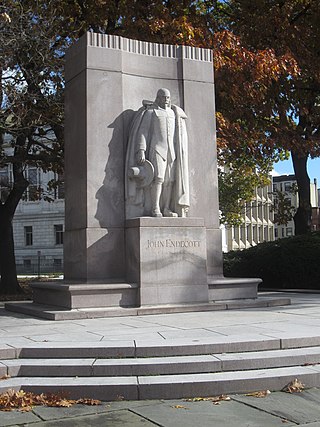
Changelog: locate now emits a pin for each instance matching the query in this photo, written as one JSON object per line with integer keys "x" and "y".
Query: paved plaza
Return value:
{"x": 299, "y": 320}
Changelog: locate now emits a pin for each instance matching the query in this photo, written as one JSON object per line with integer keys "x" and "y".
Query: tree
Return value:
{"x": 289, "y": 108}
{"x": 282, "y": 207}
{"x": 31, "y": 112}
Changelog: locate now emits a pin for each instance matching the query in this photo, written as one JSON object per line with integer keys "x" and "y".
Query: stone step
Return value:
{"x": 167, "y": 386}
{"x": 169, "y": 347}
{"x": 87, "y": 367}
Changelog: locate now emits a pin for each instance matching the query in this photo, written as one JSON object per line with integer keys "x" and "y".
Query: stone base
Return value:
{"x": 59, "y": 313}
{"x": 167, "y": 258}
{"x": 232, "y": 288}
{"x": 85, "y": 295}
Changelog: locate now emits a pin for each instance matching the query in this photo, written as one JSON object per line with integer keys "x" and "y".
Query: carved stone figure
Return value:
{"x": 157, "y": 160}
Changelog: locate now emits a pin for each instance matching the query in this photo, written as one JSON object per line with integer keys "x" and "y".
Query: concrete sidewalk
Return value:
{"x": 277, "y": 409}
{"x": 300, "y": 320}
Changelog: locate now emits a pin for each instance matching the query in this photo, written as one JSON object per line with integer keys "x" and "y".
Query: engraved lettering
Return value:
{"x": 169, "y": 243}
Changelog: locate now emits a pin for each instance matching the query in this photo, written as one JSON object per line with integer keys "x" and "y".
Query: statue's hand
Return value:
{"x": 141, "y": 157}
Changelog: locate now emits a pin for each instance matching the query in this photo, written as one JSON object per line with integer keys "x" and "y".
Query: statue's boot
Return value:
{"x": 155, "y": 194}
{"x": 167, "y": 212}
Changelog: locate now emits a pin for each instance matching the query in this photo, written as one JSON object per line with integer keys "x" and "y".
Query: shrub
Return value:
{"x": 288, "y": 263}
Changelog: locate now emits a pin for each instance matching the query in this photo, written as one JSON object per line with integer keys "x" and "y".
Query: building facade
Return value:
{"x": 258, "y": 225}
{"x": 38, "y": 224}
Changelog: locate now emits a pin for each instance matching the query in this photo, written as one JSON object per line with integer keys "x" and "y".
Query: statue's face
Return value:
{"x": 163, "y": 98}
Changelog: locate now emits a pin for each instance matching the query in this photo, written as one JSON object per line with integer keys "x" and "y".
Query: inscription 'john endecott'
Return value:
{"x": 169, "y": 243}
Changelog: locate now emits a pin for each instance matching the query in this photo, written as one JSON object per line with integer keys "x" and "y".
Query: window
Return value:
{"x": 276, "y": 233}
{"x": 289, "y": 231}
{"x": 58, "y": 232}
{"x": 287, "y": 186}
{"x": 33, "y": 191}
{"x": 242, "y": 233}
{"x": 28, "y": 239}
{"x": 5, "y": 183}
{"x": 59, "y": 187}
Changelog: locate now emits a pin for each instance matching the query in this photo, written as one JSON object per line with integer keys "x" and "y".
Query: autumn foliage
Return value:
{"x": 267, "y": 74}
{"x": 26, "y": 400}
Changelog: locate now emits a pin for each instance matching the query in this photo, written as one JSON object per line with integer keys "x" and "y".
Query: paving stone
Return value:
{"x": 231, "y": 414}
{"x": 316, "y": 424}
{"x": 48, "y": 413}
{"x": 122, "y": 418}
{"x": 14, "y": 418}
{"x": 191, "y": 333}
{"x": 296, "y": 407}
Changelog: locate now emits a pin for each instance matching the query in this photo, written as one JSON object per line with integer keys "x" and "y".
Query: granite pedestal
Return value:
{"x": 166, "y": 257}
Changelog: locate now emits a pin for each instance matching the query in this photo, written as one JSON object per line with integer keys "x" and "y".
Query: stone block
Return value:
{"x": 86, "y": 295}
{"x": 167, "y": 260}
{"x": 7, "y": 352}
{"x": 171, "y": 386}
{"x": 49, "y": 368}
{"x": 157, "y": 366}
{"x": 69, "y": 350}
{"x": 233, "y": 288}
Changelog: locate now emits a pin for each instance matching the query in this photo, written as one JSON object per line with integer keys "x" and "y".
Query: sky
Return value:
{"x": 285, "y": 167}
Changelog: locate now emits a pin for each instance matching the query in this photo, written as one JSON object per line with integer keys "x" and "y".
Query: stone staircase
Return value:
{"x": 170, "y": 369}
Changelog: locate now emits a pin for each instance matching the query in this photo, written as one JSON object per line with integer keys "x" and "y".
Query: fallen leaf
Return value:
{"x": 295, "y": 386}
{"x": 212, "y": 399}
{"x": 90, "y": 402}
{"x": 263, "y": 393}
{"x": 179, "y": 407}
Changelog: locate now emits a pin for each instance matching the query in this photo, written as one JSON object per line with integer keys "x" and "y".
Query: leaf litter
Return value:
{"x": 215, "y": 399}
{"x": 25, "y": 400}
{"x": 294, "y": 386}
{"x": 259, "y": 394}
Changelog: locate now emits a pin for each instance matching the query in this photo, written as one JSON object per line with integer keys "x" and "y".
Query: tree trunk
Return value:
{"x": 9, "y": 282}
{"x": 8, "y": 271}
{"x": 302, "y": 218}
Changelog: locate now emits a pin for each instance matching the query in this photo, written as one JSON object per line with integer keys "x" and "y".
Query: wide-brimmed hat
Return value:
{"x": 142, "y": 174}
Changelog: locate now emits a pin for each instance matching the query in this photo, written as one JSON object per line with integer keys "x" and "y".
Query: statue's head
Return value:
{"x": 163, "y": 98}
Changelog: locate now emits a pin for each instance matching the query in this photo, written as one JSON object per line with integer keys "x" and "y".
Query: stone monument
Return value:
{"x": 142, "y": 215}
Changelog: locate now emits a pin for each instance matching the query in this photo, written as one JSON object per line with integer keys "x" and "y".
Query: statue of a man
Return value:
{"x": 158, "y": 137}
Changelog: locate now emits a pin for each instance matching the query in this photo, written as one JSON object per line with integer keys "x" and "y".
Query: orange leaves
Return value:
{"x": 294, "y": 386}
{"x": 24, "y": 401}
